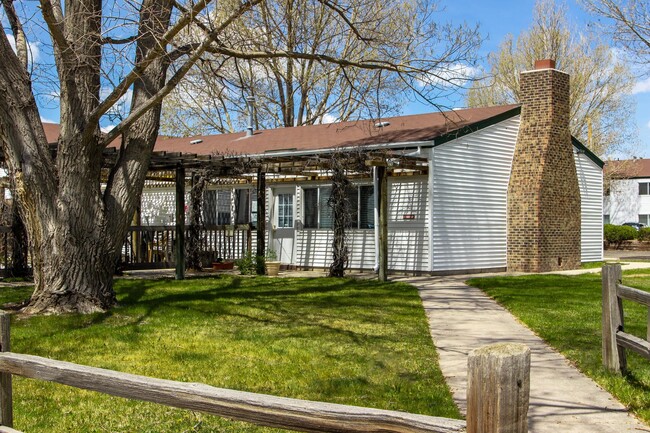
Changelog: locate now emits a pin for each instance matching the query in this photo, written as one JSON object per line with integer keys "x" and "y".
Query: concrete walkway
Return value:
{"x": 562, "y": 400}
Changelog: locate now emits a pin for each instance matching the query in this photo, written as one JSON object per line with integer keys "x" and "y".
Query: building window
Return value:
{"x": 246, "y": 206}
{"x": 216, "y": 207}
{"x": 644, "y": 188}
{"x": 285, "y": 210}
{"x": 644, "y": 219}
{"x": 606, "y": 219}
{"x": 318, "y": 214}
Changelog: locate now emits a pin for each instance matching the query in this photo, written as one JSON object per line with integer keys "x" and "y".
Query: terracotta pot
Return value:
{"x": 222, "y": 266}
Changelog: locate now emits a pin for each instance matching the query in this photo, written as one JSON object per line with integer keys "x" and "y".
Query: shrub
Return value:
{"x": 644, "y": 234}
{"x": 247, "y": 265}
{"x": 617, "y": 235}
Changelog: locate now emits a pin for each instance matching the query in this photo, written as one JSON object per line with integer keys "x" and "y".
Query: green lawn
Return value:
{"x": 337, "y": 340}
{"x": 566, "y": 312}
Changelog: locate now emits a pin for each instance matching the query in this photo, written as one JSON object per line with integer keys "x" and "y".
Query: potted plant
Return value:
{"x": 221, "y": 265}
{"x": 271, "y": 263}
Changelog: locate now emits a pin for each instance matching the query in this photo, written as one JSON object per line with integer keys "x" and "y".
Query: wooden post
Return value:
{"x": 6, "y": 403}
{"x": 261, "y": 212}
{"x": 613, "y": 355}
{"x": 180, "y": 223}
{"x": 498, "y": 389}
{"x": 383, "y": 223}
{"x": 648, "y": 327}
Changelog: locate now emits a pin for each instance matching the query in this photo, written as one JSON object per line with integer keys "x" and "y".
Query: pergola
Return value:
{"x": 254, "y": 169}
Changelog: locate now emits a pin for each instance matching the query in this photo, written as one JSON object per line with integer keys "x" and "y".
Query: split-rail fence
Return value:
{"x": 615, "y": 339}
{"x": 498, "y": 391}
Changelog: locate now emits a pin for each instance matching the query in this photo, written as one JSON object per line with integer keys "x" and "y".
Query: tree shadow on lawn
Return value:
{"x": 298, "y": 308}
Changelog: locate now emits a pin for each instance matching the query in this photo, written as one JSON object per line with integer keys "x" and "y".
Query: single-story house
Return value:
{"x": 627, "y": 196}
{"x": 494, "y": 188}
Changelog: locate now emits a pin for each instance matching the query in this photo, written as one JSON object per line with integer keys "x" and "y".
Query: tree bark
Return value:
{"x": 76, "y": 229}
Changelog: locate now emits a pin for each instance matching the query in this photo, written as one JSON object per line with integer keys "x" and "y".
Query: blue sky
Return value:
{"x": 502, "y": 17}
{"x": 496, "y": 19}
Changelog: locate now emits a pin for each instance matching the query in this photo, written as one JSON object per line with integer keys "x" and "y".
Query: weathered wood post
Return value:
{"x": 498, "y": 389}
{"x": 6, "y": 403}
{"x": 613, "y": 355}
{"x": 382, "y": 174}
{"x": 180, "y": 222}
{"x": 261, "y": 212}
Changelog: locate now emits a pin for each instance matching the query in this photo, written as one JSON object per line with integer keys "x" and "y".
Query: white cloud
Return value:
{"x": 642, "y": 86}
{"x": 45, "y": 120}
{"x": 33, "y": 52}
{"x": 328, "y": 118}
{"x": 648, "y": 125}
{"x": 106, "y": 129}
{"x": 454, "y": 75}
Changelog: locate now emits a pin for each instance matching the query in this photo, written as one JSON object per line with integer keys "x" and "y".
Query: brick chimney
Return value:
{"x": 544, "y": 219}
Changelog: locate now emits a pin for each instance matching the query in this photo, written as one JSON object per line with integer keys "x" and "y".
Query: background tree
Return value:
{"x": 630, "y": 27}
{"x": 301, "y": 91}
{"x": 77, "y": 218}
{"x": 600, "y": 83}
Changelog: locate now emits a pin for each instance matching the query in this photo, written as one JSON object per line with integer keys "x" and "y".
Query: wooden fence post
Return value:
{"x": 498, "y": 389}
{"x": 6, "y": 403}
{"x": 613, "y": 355}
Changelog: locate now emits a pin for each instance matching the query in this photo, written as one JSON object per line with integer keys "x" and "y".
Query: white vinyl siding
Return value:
{"x": 469, "y": 200}
{"x": 314, "y": 248}
{"x": 590, "y": 180}
{"x": 408, "y": 245}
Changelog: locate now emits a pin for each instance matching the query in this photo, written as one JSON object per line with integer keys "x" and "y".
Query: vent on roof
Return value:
{"x": 381, "y": 124}
{"x": 197, "y": 141}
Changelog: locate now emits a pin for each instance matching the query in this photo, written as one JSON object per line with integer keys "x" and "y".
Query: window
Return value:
{"x": 216, "y": 207}
{"x": 366, "y": 207}
{"x": 318, "y": 214}
{"x": 644, "y": 219}
{"x": 285, "y": 210}
{"x": 223, "y": 207}
{"x": 605, "y": 219}
{"x": 644, "y": 188}
{"x": 246, "y": 206}
{"x": 310, "y": 199}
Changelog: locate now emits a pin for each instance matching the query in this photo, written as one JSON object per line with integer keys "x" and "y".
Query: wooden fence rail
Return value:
{"x": 502, "y": 384}
{"x": 615, "y": 339}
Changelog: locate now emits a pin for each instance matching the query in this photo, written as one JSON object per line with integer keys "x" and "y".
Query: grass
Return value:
{"x": 337, "y": 340}
{"x": 566, "y": 312}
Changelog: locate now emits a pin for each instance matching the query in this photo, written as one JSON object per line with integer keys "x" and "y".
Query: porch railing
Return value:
{"x": 147, "y": 247}
{"x": 155, "y": 246}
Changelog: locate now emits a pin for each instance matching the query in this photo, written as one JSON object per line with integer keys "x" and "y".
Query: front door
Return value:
{"x": 282, "y": 224}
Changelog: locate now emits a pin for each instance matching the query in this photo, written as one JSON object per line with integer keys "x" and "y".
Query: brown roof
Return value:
{"x": 403, "y": 129}
{"x": 628, "y": 168}
{"x": 170, "y": 151}
{"x": 51, "y": 132}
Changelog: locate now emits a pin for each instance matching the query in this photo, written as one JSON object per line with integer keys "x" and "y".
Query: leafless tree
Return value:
{"x": 76, "y": 218}
{"x": 629, "y": 22}
{"x": 302, "y": 91}
{"x": 600, "y": 83}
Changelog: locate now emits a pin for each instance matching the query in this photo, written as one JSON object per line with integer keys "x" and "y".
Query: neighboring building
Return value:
{"x": 497, "y": 188}
{"x": 627, "y": 198}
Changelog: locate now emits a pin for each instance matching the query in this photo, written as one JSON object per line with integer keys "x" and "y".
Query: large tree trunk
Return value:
{"x": 76, "y": 228}
{"x": 73, "y": 275}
